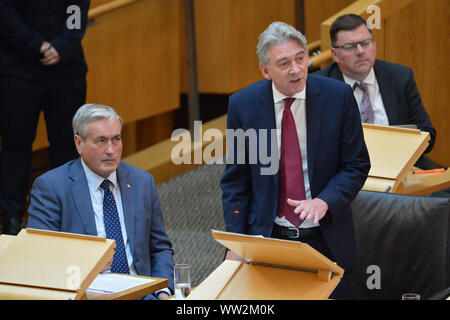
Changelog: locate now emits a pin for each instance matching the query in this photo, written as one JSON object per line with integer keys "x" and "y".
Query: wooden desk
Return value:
{"x": 14, "y": 292}
{"x": 133, "y": 293}
{"x": 423, "y": 184}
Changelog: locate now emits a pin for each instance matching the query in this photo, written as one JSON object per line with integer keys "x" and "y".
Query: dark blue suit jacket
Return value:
{"x": 25, "y": 24}
{"x": 338, "y": 162}
{"x": 399, "y": 93}
{"x": 60, "y": 201}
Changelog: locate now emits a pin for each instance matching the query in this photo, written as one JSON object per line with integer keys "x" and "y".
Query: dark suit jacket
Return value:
{"x": 399, "y": 93}
{"x": 60, "y": 201}
{"x": 338, "y": 162}
{"x": 25, "y": 24}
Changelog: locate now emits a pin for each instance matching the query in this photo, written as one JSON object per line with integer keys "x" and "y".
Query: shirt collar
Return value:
{"x": 94, "y": 180}
{"x": 370, "y": 79}
{"x": 278, "y": 96}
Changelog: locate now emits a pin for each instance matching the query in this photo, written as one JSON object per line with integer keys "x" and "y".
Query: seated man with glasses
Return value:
{"x": 386, "y": 92}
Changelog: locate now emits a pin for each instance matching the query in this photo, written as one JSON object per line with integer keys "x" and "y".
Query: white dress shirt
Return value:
{"x": 298, "y": 109}
{"x": 96, "y": 192}
{"x": 379, "y": 113}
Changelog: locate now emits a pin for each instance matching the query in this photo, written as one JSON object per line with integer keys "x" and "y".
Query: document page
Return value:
{"x": 112, "y": 283}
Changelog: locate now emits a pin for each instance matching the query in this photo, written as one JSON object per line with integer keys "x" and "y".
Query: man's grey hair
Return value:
{"x": 91, "y": 112}
{"x": 276, "y": 33}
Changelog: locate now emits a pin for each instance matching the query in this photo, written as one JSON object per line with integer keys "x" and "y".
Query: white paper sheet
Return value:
{"x": 112, "y": 283}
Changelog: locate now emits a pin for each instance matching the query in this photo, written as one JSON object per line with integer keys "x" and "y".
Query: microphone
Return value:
{"x": 236, "y": 213}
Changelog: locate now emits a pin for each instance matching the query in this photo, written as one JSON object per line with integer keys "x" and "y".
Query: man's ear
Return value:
{"x": 334, "y": 55}
{"x": 78, "y": 143}
{"x": 264, "y": 71}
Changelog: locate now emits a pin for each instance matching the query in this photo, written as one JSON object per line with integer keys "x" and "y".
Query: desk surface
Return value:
{"x": 17, "y": 292}
{"x": 413, "y": 184}
{"x": 423, "y": 184}
{"x": 133, "y": 293}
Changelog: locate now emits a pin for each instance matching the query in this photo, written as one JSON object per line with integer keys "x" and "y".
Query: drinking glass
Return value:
{"x": 182, "y": 279}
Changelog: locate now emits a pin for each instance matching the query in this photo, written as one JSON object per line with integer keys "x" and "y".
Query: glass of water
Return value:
{"x": 182, "y": 279}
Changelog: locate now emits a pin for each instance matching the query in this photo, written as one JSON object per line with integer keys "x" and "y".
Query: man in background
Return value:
{"x": 386, "y": 92}
{"x": 42, "y": 68}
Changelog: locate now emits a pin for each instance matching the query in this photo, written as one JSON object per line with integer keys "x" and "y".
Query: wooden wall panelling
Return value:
{"x": 132, "y": 55}
{"x": 317, "y": 11}
{"x": 417, "y": 36}
{"x": 227, "y": 33}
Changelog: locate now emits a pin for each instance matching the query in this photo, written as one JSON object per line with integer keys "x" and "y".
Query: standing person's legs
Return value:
{"x": 61, "y": 103}
{"x": 314, "y": 238}
{"x": 19, "y": 114}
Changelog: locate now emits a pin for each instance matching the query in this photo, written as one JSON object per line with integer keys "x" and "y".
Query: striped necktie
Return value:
{"x": 365, "y": 107}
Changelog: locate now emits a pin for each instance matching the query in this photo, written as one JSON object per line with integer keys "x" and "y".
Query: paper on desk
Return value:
{"x": 113, "y": 283}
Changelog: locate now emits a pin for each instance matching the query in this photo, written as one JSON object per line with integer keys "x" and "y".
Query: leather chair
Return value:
{"x": 404, "y": 241}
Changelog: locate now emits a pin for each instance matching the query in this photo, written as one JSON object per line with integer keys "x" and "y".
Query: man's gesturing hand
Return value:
{"x": 310, "y": 209}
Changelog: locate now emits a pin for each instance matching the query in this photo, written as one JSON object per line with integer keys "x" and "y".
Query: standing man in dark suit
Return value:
{"x": 392, "y": 95}
{"x": 42, "y": 67}
{"x": 99, "y": 195}
{"x": 323, "y": 159}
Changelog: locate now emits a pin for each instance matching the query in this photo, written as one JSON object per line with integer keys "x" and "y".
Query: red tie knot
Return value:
{"x": 288, "y": 102}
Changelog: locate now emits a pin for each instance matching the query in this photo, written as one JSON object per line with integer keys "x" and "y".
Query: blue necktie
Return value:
{"x": 113, "y": 229}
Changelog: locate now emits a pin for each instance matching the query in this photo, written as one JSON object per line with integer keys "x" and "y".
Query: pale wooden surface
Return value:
{"x": 227, "y": 33}
{"x": 393, "y": 150}
{"x": 423, "y": 184}
{"x": 416, "y": 37}
{"x": 99, "y": 7}
{"x": 212, "y": 286}
{"x": 128, "y": 56}
{"x": 317, "y": 11}
{"x": 380, "y": 184}
{"x": 20, "y": 292}
{"x": 275, "y": 251}
{"x": 312, "y": 277}
{"x": 42, "y": 259}
{"x": 132, "y": 293}
{"x": 15, "y": 292}
{"x": 261, "y": 283}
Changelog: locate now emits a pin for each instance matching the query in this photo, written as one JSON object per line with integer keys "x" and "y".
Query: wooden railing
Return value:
{"x": 107, "y": 6}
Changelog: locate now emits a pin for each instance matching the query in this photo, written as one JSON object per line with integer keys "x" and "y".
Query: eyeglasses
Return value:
{"x": 351, "y": 47}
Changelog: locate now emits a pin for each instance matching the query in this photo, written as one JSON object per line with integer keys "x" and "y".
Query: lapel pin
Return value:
{"x": 129, "y": 186}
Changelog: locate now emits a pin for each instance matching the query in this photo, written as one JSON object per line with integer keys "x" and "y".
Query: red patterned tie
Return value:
{"x": 292, "y": 185}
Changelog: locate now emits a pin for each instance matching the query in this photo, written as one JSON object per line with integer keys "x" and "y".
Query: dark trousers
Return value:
{"x": 342, "y": 291}
{"x": 21, "y": 102}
